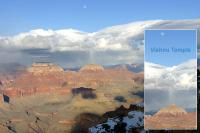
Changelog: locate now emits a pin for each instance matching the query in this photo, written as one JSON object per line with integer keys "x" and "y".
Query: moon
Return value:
{"x": 162, "y": 33}
{"x": 84, "y": 6}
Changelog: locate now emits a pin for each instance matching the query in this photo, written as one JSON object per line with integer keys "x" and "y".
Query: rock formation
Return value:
{"x": 48, "y": 77}
{"x": 44, "y": 68}
{"x": 1, "y": 98}
{"x": 92, "y": 68}
{"x": 1, "y": 83}
{"x": 171, "y": 110}
{"x": 171, "y": 117}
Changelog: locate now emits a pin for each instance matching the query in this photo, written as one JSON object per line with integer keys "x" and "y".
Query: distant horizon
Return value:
{"x": 155, "y": 111}
{"x": 64, "y": 67}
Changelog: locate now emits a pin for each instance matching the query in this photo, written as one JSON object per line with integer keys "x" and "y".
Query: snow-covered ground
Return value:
{"x": 134, "y": 119}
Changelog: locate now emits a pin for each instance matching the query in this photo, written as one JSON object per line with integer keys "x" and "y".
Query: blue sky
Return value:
{"x": 88, "y": 15}
{"x": 168, "y": 39}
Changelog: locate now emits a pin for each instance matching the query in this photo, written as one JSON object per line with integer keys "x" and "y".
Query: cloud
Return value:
{"x": 180, "y": 77}
{"x": 170, "y": 85}
{"x": 113, "y": 45}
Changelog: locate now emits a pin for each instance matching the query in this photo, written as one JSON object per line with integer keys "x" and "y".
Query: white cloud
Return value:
{"x": 118, "y": 44}
{"x": 180, "y": 77}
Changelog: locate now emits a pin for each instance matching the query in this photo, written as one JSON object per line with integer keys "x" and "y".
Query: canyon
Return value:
{"x": 48, "y": 77}
{"x": 46, "y": 98}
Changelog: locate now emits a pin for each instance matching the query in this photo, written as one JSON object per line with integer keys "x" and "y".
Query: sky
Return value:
{"x": 166, "y": 39}
{"x": 88, "y": 15}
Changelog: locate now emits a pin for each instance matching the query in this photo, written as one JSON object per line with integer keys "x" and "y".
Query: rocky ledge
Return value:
{"x": 44, "y": 68}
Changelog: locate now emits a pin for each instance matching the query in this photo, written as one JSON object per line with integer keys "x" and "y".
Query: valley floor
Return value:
{"x": 50, "y": 113}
